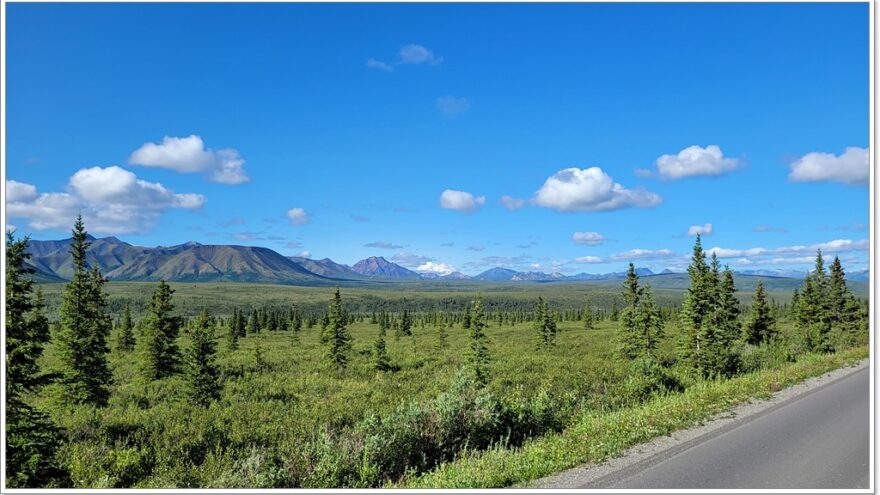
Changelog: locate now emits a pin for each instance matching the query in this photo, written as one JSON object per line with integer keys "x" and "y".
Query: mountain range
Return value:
{"x": 195, "y": 262}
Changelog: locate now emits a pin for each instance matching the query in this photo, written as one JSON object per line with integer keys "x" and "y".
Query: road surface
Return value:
{"x": 816, "y": 440}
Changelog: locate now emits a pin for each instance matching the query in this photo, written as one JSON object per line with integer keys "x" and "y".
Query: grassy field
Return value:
{"x": 284, "y": 419}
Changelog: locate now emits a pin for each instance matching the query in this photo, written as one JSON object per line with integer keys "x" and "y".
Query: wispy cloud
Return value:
{"x": 189, "y": 155}
{"x": 512, "y": 203}
{"x": 642, "y": 254}
{"x": 476, "y": 248}
{"x": 383, "y": 245}
{"x": 588, "y": 238}
{"x": 378, "y": 64}
{"x": 452, "y": 105}
{"x": 769, "y": 229}
{"x": 417, "y": 54}
{"x": 410, "y": 260}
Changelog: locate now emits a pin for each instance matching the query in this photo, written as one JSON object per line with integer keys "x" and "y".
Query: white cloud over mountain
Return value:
{"x": 111, "y": 199}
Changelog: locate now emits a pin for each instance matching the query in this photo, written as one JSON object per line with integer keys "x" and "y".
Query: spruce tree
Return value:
{"x": 82, "y": 339}
{"x": 761, "y": 325}
{"x": 545, "y": 325}
{"x": 125, "y": 339}
{"x": 442, "y": 335}
{"x": 159, "y": 353}
{"x": 31, "y": 438}
{"x": 628, "y": 342}
{"x": 202, "y": 373}
{"x": 338, "y": 341}
{"x": 232, "y": 332}
{"x": 813, "y": 311}
{"x": 381, "y": 361}
{"x": 589, "y": 318}
{"x": 406, "y": 323}
{"x": 696, "y": 333}
{"x": 479, "y": 350}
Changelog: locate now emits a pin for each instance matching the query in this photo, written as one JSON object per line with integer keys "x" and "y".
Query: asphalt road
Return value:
{"x": 816, "y": 440}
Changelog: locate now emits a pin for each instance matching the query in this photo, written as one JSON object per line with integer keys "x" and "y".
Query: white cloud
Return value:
{"x": 298, "y": 216}
{"x": 588, "y": 259}
{"x": 588, "y": 238}
{"x": 830, "y": 247}
{"x": 438, "y": 268}
{"x": 703, "y": 230}
{"x": 512, "y": 203}
{"x": 451, "y": 105}
{"x": 112, "y": 200}
{"x": 590, "y": 189}
{"x": 642, "y": 254}
{"x": 305, "y": 254}
{"x": 19, "y": 191}
{"x": 417, "y": 54}
{"x": 378, "y": 64}
{"x": 462, "y": 201}
{"x": 850, "y": 168}
{"x": 189, "y": 155}
{"x": 694, "y": 161}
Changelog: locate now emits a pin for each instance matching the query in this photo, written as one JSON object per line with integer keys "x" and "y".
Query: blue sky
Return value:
{"x": 336, "y": 129}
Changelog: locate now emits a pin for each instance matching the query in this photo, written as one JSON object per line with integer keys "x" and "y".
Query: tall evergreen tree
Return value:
{"x": 232, "y": 331}
{"x": 202, "y": 373}
{"x": 31, "y": 438}
{"x": 761, "y": 325}
{"x": 338, "y": 345}
{"x": 813, "y": 311}
{"x": 381, "y": 361}
{"x": 406, "y": 323}
{"x": 442, "y": 335}
{"x": 589, "y": 318}
{"x": 125, "y": 340}
{"x": 85, "y": 325}
{"x": 479, "y": 350}
{"x": 159, "y": 353}
{"x": 545, "y": 325}
{"x": 696, "y": 332}
{"x": 640, "y": 326}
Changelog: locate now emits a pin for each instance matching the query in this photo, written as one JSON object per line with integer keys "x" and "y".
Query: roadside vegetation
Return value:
{"x": 486, "y": 391}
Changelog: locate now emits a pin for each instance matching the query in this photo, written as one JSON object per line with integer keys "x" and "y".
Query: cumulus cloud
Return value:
{"x": 298, "y": 216}
{"x": 851, "y": 167}
{"x": 19, "y": 191}
{"x": 305, "y": 254}
{"x": 642, "y": 254}
{"x": 189, "y": 155}
{"x": 112, "y": 200}
{"x": 451, "y": 105}
{"x": 438, "y": 268}
{"x": 588, "y": 259}
{"x": 512, "y": 203}
{"x": 590, "y": 189}
{"x": 695, "y": 161}
{"x": 383, "y": 245}
{"x": 417, "y": 54}
{"x": 704, "y": 230}
{"x": 378, "y": 64}
{"x": 462, "y": 201}
{"x": 588, "y": 238}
